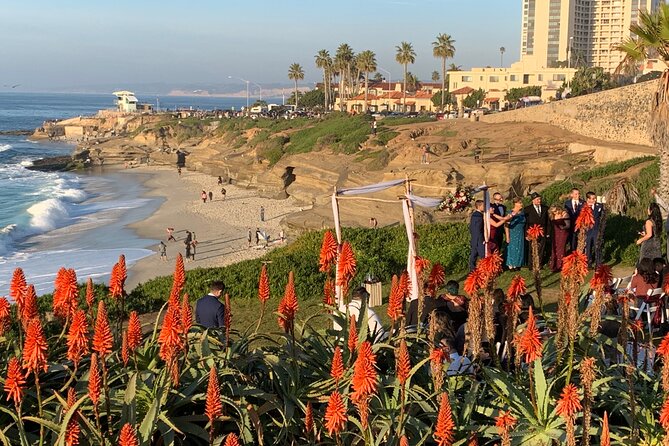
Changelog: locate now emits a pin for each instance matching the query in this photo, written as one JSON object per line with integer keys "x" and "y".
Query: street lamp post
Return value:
{"x": 259, "y": 90}
{"x": 247, "y": 89}
{"x": 389, "y": 82}
{"x": 570, "y": 49}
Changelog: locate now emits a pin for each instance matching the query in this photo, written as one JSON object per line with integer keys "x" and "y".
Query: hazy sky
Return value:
{"x": 48, "y": 44}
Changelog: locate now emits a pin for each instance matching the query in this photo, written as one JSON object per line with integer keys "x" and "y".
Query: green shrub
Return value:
{"x": 404, "y": 121}
{"x": 385, "y": 136}
{"x": 350, "y": 132}
{"x": 611, "y": 169}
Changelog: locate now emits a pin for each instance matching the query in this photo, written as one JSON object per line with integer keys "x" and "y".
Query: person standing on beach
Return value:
{"x": 257, "y": 236}
{"x": 188, "y": 245}
{"x": 163, "y": 251}
{"x": 211, "y": 196}
{"x": 209, "y": 310}
{"x": 220, "y": 180}
{"x": 248, "y": 237}
{"x": 203, "y": 195}
{"x": 282, "y": 236}
{"x": 170, "y": 235}
{"x": 262, "y": 213}
{"x": 193, "y": 245}
{"x": 223, "y": 192}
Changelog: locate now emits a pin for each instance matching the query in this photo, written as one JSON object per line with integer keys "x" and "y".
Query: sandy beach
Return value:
{"x": 220, "y": 226}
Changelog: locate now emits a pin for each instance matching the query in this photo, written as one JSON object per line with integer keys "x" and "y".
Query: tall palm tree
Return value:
{"x": 366, "y": 61}
{"x": 436, "y": 76}
{"x": 405, "y": 55}
{"x": 453, "y": 67}
{"x": 324, "y": 62}
{"x": 650, "y": 38}
{"x": 295, "y": 73}
{"x": 342, "y": 62}
{"x": 443, "y": 48}
{"x": 502, "y": 50}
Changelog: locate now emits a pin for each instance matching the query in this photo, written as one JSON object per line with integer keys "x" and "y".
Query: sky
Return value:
{"x": 65, "y": 44}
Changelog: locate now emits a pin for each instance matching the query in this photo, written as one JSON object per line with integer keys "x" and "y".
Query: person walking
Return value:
{"x": 163, "y": 251}
{"x": 193, "y": 245}
{"x": 257, "y": 236}
{"x": 282, "y": 236}
{"x": 262, "y": 213}
{"x": 203, "y": 195}
{"x": 248, "y": 237}
{"x": 223, "y": 193}
{"x": 211, "y": 196}
{"x": 220, "y": 180}
{"x": 209, "y": 310}
{"x": 188, "y": 245}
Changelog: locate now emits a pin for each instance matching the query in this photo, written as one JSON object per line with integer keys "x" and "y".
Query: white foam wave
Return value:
{"x": 48, "y": 214}
{"x": 26, "y": 163}
{"x": 4, "y": 147}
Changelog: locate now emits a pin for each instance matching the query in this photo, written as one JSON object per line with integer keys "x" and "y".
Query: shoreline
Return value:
{"x": 220, "y": 226}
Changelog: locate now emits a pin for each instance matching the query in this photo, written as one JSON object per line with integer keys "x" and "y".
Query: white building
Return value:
{"x": 126, "y": 102}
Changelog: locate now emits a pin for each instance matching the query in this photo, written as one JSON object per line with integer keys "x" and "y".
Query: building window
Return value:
{"x": 526, "y": 79}
{"x": 540, "y": 77}
{"x": 466, "y": 78}
{"x": 494, "y": 78}
{"x": 559, "y": 77}
{"x": 514, "y": 78}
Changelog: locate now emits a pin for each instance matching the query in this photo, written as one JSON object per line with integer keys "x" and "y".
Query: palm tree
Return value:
{"x": 295, "y": 73}
{"x": 443, "y": 48}
{"x": 366, "y": 63}
{"x": 404, "y": 56}
{"x": 502, "y": 50}
{"x": 324, "y": 62}
{"x": 651, "y": 39}
{"x": 435, "y": 76}
{"x": 342, "y": 62}
{"x": 453, "y": 67}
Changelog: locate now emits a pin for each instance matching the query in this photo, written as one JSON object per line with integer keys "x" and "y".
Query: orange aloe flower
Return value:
{"x": 335, "y": 414}
{"x": 35, "y": 348}
{"x": 535, "y": 232}
{"x": 118, "y": 276}
{"x": 530, "y": 341}
{"x": 170, "y": 339}
{"x": 15, "y": 381}
{"x": 602, "y": 276}
{"x": 346, "y": 266}
{"x": 569, "y": 402}
{"x": 309, "y": 420}
{"x": 73, "y": 429}
{"x": 337, "y": 368}
{"x": 103, "y": 342}
{"x": 77, "y": 337}
{"x": 438, "y": 356}
{"x": 328, "y": 252}
{"x": 404, "y": 441}
{"x": 125, "y": 357}
{"x": 5, "y": 314}
{"x": 585, "y": 219}
{"x": 352, "y": 334}
{"x": 474, "y": 281}
{"x": 575, "y": 266}
{"x": 263, "y": 285}
{"x": 179, "y": 277}
{"x": 422, "y": 264}
{"x": 517, "y": 287}
{"x": 402, "y": 362}
{"x": 436, "y": 278}
{"x": 505, "y": 421}
{"x": 395, "y": 301}
{"x": 404, "y": 284}
{"x": 666, "y": 283}
{"x": 605, "y": 439}
{"x": 90, "y": 293}
{"x": 445, "y": 428}
{"x": 663, "y": 348}
{"x": 128, "y": 436}
{"x": 134, "y": 331}
{"x": 29, "y": 310}
{"x": 94, "y": 380}
{"x": 288, "y": 306}
{"x": 329, "y": 293}
{"x": 365, "y": 378}
{"x": 491, "y": 266}
{"x": 18, "y": 288}
{"x": 213, "y": 407}
{"x": 664, "y": 414}
{"x": 186, "y": 314}
{"x": 65, "y": 293}
{"x": 231, "y": 440}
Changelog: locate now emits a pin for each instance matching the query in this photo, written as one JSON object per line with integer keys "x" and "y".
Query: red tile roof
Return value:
{"x": 463, "y": 90}
{"x": 361, "y": 97}
{"x": 424, "y": 95}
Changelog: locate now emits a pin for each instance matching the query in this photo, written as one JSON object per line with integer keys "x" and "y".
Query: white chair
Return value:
{"x": 649, "y": 306}
{"x": 621, "y": 284}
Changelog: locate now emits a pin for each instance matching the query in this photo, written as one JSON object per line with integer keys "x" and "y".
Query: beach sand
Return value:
{"x": 220, "y": 226}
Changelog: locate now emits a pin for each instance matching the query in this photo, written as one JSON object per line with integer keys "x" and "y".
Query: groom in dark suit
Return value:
{"x": 209, "y": 310}
{"x": 573, "y": 207}
{"x": 476, "y": 246}
{"x": 537, "y": 214}
{"x": 593, "y": 233}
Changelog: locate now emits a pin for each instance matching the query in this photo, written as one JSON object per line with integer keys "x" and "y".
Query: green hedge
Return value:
{"x": 611, "y": 168}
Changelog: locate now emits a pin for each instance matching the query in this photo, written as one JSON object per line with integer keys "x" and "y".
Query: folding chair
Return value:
{"x": 649, "y": 305}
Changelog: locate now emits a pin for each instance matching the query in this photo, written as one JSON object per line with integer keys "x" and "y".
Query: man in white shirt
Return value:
{"x": 374, "y": 325}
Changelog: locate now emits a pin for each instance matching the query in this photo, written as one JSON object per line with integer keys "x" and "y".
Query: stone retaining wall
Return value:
{"x": 619, "y": 115}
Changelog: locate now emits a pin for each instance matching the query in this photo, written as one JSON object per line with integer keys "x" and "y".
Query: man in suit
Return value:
{"x": 593, "y": 233}
{"x": 573, "y": 207}
{"x": 209, "y": 311}
{"x": 476, "y": 244}
{"x": 498, "y": 209}
{"x": 537, "y": 214}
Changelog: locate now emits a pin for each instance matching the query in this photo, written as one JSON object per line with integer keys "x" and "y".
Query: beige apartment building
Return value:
{"x": 578, "y": 32}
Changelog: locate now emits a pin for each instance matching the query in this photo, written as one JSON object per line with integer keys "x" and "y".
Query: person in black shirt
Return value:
{"x": 209, "y": 310}
{"x": 429, "y": 304}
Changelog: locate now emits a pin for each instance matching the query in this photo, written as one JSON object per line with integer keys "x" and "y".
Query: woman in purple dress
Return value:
{"x": 560, "y": 225}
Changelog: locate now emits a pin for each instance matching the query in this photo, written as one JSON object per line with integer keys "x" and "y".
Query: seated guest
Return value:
{"x": 645, "y": 278}
{"x": 457, "y": 364}
{"x": 456, "y": 305}
{"x": 374, "y": 325}
{"x": 662, "y": 269}
{"x": 429, "y": 304}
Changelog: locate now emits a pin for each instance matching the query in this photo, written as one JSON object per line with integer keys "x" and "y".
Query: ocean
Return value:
{"x": 74, "y": 220}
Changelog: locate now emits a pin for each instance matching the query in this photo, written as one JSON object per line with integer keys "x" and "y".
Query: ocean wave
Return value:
{"x": 4, "y": 147}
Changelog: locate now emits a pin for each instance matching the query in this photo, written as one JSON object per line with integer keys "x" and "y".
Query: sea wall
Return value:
{"x": 618, "y": 115}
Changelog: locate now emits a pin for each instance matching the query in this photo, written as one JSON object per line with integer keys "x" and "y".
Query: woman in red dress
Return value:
{"x": 560, "y": 225}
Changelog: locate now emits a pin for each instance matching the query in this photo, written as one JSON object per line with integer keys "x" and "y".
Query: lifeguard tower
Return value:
{"x": 126, "y": 102}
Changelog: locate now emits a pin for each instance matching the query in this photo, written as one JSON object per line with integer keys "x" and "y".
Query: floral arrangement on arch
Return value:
{"x": 457, "y": 201}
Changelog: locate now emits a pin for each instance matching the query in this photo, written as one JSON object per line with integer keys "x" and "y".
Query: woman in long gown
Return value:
{"x": 496, "y": 224}
{"x": 650, "y": 236}
{"x": 560, "y": 222}
{"x": 515, "y": 250}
